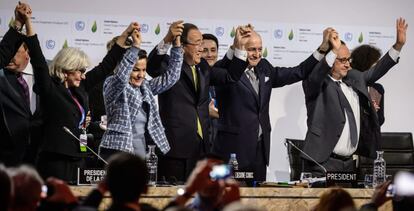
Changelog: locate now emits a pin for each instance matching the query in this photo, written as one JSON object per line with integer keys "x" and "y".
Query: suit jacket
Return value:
{"x": 17, "y": 122}
{"x": 180, "y": 105}
{"x": 59, "y": 107}
{"x": 242, "y": 109}
{"x": 123, "y": 103}
{"x": 9, "y": 45}
{"x": 326, "y": 117}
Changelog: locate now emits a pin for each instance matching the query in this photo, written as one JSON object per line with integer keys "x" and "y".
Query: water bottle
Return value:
{"x": 234, "y": 165}
{"x": 378, "y": 176}
{"x": 152, "y": 164}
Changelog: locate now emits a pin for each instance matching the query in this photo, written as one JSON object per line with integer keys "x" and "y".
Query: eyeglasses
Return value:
{"x": 81, "y": 70}
{"x": 344, "y": 60}
{"x": 197, "y": 44}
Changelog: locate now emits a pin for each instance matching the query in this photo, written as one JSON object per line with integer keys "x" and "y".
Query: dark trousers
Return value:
{"x": 332, "y": 164}
{"x": 258, "y": 166}
{"x": 177, "y": 170}
{"x": 61, "y": 166}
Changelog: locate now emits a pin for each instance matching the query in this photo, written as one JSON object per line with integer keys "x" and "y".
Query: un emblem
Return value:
{"x": 79, "y": 25}
{"x": 219, "y": 31}
{"x": 50, "y": 44}
{"x": 348, "y": 36}
{"x": 144, "y": 28}
{"x": 278, "y": 33}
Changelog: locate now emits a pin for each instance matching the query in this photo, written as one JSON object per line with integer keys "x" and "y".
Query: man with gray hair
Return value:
{"x": 27, "y": 188}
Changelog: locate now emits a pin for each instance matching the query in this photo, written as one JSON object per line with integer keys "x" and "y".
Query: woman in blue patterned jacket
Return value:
{"x": 133, "y": 117}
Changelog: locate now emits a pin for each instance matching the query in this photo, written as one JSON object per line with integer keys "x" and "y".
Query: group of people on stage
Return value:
{"x": 203, "y": 107}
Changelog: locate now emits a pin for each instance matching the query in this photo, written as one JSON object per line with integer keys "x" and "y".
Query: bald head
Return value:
{"x": 254, "y": 49}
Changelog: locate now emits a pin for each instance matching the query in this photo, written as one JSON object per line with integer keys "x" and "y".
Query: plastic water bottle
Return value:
{"x": 152, "y": 165}
{"x": 378, "y": 176}
{"x": 234, "y": 165}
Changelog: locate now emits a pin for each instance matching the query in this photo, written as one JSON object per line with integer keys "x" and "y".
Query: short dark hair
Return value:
{"x": 142, "y": 54}
{"x": 211, "y": 37}
{"x": 364, "y": 56}
{"x": 187, "y": 28}
{"x": 126, "y": 177}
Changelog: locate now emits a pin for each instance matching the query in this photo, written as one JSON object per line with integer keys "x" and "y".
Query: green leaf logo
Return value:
{"x": 94, "y": 27}
{"x": 233, "y": 33}
{"x": 11, "y": 22}
{"x": 290, "y": 35}
{"x": 157, "y": 29}
{"x": 264, "y": 52}
{"x": 360, "y": 38}
{"x": 65, "y": 44}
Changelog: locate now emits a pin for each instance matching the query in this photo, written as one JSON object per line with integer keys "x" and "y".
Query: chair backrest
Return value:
{"x": 398, "y": 154}
{"x": 396, "y": 141}
{"x": 295, "y": 161}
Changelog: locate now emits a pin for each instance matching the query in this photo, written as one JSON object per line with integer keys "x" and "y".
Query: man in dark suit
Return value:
{"x": 244, "y": 123}
{"x": 341, "y": 119}
{"x": 184, "y": 107}
{"x": 18, "y": 122}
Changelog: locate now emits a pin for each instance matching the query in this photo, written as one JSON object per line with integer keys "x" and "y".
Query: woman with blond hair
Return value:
{"x": 63, "y": 96}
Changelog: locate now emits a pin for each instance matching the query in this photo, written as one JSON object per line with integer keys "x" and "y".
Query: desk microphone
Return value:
{"x": 304, "y": 153}
{"x": 70, "y": 133}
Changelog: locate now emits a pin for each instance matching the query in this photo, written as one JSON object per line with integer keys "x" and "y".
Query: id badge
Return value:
{"x": 83, "y": 142}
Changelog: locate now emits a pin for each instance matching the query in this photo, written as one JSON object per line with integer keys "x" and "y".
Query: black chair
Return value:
{"x": 398, "y": 154}
{"x": 295, "y": 161}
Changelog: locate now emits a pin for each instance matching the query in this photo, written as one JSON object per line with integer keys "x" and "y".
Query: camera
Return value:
{"x": 220, "y": 172}
{"x": 48, "y": 190}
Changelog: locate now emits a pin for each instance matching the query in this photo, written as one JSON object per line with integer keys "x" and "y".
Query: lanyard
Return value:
{"x": 83, "y": 113}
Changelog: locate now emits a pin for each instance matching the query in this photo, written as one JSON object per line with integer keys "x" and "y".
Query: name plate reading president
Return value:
{"x": 90, "y": 176}
{"x": 343, "y": 179}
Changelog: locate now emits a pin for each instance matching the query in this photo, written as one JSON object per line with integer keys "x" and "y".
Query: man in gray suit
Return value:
{"x": 341, "y": 120}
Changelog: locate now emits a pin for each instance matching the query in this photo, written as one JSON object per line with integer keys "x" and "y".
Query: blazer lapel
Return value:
{"x": 189, "y": 75}
{"x": 248, "y": 84}
{"x": 201, "y": 82}
{"x": 12, "y": 93}
{"x": 261, "y": 76}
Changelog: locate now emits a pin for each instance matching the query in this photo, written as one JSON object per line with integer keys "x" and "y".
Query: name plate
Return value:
{"x": 243, "y": 175}
{"x": 342, "y": 179}
{"x": 90, "y": 176}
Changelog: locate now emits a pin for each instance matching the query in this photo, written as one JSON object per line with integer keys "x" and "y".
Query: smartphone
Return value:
{"x": 47, "y": 190}
{"x": 390, "y": 191}
{"x": 220, "y": 172}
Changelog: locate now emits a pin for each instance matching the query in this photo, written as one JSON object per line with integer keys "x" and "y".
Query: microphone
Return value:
{"x": 304, "y": 153}
{"x": 70, "y": 133}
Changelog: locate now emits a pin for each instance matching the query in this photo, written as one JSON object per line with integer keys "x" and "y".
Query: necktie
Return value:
{"x": 194, "y": 73}
{"x": 253, "y": 79}
{"x": 349, "y": 113}
{"x": 255, "y": 83}
{"x": 25, "y": 88}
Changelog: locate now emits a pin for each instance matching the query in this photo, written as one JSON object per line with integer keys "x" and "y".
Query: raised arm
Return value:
{"x": 284, "y": 76}
{"x": 158, "y": 58}
{"x": 12, "y": 40}
{"x": 312, "y": 85}
{"x": 40, "y": 69}
{"x": 114, "y": 85}
{"x": 390, "y": 58}
{"x": 109, "y": 62}
{"x": 231, "y": 67}
{"x": 172, "y": 75}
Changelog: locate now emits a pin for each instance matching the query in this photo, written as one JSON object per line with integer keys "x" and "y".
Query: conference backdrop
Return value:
{"x": 62, "y": 24}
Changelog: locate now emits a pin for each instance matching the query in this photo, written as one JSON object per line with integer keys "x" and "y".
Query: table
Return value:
{"x": 270, "y": 198}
